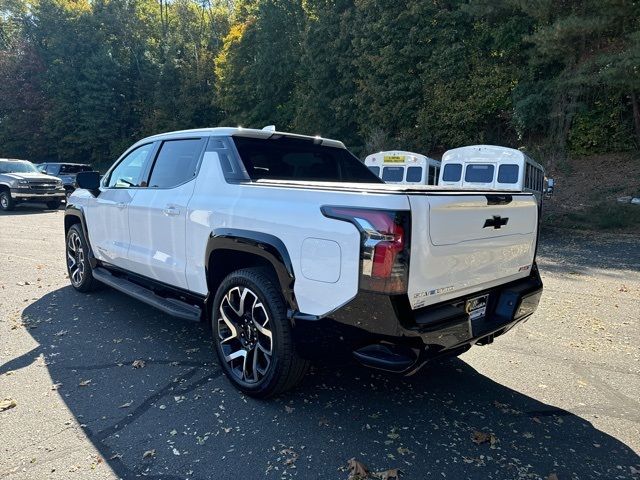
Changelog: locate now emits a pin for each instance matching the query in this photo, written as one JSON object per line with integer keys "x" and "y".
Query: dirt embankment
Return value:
{"x": 587, "y": 189}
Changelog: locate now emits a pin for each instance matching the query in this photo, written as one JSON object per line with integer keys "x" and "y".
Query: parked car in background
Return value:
{"x": 404, "y": 168}
{"x": 20, "y": 181}
{"x": 491, "y": 167}
{"x": 294, "y": 250}
{"x": 66, "y": 172}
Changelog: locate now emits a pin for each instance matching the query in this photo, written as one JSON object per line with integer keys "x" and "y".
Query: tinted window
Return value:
{"x": 17, "y": 167}
{"x": 414, "y": 174}
{"x": 286, "y": 158}
{"x": 375, "y": 171}
{"x": 508, "y": 174}
{"x": 74, "y": 168}
{"x": 52, "y": 169}
{"x": 452, "y": 172}
{"x": 392, "y": 174}
{"x": 479, "y": 173}
{"x": 176, "y": 163}
{"x": 128, "y": 172}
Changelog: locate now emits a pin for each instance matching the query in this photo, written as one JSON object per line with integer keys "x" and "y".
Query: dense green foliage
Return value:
{"x": 82, "y": 79}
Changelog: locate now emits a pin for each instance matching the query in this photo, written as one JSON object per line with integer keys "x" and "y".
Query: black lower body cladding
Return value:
{"x": 384, "y": 332}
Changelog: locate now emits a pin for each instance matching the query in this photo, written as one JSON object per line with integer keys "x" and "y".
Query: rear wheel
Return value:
{"x": 6, "y": 202}
{"x": 253, "y": 336}
{"x": 78, "y": 265}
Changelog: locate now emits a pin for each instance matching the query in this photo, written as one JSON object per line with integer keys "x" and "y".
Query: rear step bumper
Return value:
{"x": 384, "y": 333}
{"x": 170, "y": 306}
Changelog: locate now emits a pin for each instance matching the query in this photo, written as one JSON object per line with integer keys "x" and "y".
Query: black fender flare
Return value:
{"x": 264, "y": 245}
{"x": 76, "y": 212}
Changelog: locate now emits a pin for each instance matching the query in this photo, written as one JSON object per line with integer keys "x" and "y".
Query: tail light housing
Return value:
{"x": 384, "y": 246}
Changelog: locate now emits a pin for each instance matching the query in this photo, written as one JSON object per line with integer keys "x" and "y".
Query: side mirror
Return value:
{"x": 550, "y": 184}
{"x": 89, "y": 181}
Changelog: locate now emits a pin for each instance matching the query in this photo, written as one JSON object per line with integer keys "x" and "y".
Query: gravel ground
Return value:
{"x": 556, "y": 396}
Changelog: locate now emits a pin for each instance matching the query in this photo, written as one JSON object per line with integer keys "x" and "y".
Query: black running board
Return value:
{"x": 170, "y": 306}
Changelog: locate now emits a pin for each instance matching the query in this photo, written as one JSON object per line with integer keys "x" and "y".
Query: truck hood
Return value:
{"x": 31, "y": 176}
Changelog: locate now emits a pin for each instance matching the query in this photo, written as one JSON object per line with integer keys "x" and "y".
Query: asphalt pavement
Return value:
{"x": 101, "y": 386}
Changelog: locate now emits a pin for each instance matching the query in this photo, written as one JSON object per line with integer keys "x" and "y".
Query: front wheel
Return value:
{"x": 252, "y": 334}
{"x": 78, "y": 265}
{"x": 6, "y": 202}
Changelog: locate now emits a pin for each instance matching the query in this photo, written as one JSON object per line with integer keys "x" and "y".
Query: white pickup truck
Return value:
{"x": 295, "y": 251}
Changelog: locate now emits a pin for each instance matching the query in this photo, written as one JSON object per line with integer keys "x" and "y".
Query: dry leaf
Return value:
{"x": 7, "y": 403}
{"x": 552, "y": 476}
{"x": 84, "y": 383}
{"x": 126, "y": 405}
{"x": 149, "y": 453}
{"x": 138, "y": 364}
{"x": 481, "y": 437}
{"x": 391, "y": 474}
{"x": 357, "y": 470}
{"x": 623, "y": 288}
{"x": 293, "y": 456}
{"x": 288, "y": 409}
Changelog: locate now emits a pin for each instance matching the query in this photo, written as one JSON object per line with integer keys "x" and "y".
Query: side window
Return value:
{"x": 53, "y": 169}
{"x": 128, "y": 173}
{"x": 375, "y": 170}
{"x": 508, "y": 173}
{"x": 176, "y": 163}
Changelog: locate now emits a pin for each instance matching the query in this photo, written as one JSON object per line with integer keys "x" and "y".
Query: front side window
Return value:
{"x": 508, "y": 174}
{"x": 176, "y": 163}
{"x": 53, "y": 169}
{"x": 452, "y": 172}
{"x": 479, "y": 173}
{"x": 392, "y": 174}
{"x": 128, "y": 173}
{"x": 414, "y": 174}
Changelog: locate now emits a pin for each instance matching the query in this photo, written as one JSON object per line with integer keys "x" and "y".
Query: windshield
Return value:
{"x": 286, "y": 158}
{"x": 17, "y": 167}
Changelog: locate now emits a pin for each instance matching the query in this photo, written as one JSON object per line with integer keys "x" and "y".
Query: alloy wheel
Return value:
{"x": 75, "y": 259}
{"x": 244, "y": 334}
{"x": 4, "y": 201}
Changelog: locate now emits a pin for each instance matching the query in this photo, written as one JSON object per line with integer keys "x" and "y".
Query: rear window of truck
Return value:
{"x": 286, "y": 158}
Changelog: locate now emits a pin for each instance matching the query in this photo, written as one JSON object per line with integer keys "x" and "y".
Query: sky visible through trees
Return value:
{"x": 81, "y": 80}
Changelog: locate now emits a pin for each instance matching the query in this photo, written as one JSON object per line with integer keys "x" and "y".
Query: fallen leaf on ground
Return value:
{"x": 479, "y": 438}
{"x": 7, "y": 403}
{"x": 357, "y": 469}
{"x": 149, "y": 453}
{"x": 293, "y": 456}
{"x": 391, "y": 474}
{"x": 288, "y": 409}
{"x": 84, "y": 383}
{"x": 623, "y": 288}
{"x": 126, "y": 405}
{"x": 138, "y": 364}
{"x": 552, "y": 476}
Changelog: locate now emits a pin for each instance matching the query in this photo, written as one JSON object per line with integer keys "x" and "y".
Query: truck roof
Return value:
{"x": 240, "y": 132}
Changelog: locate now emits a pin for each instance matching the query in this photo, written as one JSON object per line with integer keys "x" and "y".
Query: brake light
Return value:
{"x": 384, "y": 248}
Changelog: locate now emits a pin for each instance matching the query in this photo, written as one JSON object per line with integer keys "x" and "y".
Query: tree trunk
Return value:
{"x": 636, "y": 115}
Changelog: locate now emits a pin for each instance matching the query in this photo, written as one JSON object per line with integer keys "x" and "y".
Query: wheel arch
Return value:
{"x": 74, "y": 215}
{"x": 233, "y": 249}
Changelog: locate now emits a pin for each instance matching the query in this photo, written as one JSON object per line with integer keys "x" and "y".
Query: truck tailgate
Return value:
{"x": 466, "y": 243}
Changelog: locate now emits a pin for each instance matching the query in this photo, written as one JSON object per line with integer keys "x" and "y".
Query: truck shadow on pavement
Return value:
{"x": 179, "y": 406}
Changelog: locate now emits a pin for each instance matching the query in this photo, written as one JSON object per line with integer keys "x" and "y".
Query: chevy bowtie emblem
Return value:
{"x": 496, "y": 222}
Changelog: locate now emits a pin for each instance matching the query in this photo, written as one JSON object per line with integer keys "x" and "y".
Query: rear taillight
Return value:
{"x": 384, "y": 249}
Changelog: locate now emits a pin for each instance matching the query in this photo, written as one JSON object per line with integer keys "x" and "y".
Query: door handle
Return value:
{"x": 171, "y": 210}
{"x": 121, "y": 205}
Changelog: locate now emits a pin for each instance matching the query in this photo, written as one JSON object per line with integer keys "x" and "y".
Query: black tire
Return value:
{"x": 54, "y": 204}
{"x": 77, "y": 259}
{"x": 6, "y": 202}
{"x": 283, "y": 369}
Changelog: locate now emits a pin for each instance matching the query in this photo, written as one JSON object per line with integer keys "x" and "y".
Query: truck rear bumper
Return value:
{"x": 384, "y": 332}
